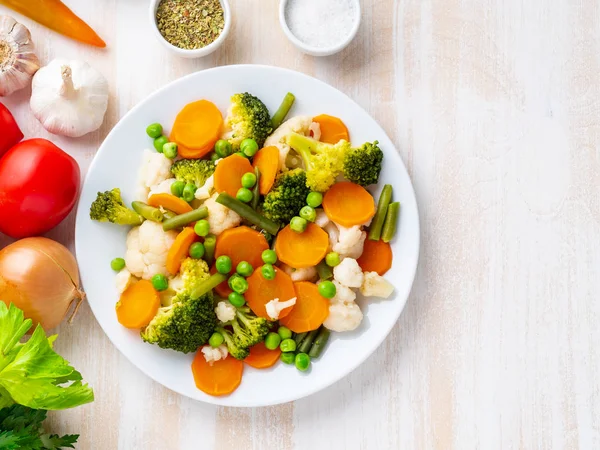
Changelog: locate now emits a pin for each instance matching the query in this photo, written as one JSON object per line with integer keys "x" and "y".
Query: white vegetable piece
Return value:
{"x": 225, "y": 311}
{"x": 164, "y": 187}
{"x": 147, "y": 249}
{"x": 155, "y": 169}
{"x": 205, "y": 191}
{"x": 297, "y": 124}
{"x": 274, "y": 307}
{"x": 374, "y": 285}
{"x": 123, "y": 280}
{"x": 322, "y": 220}
{"x": 334, "y": 234}
{"x": 350, "y": 242}
{"x": 220, "y": 218}
{"x": 348, "y": 273}
{"x": 211, "y": 355}
{"x": 344, "y": 313}
{"x": 18, "y": 62}
{"x": 69, "y": 97}
{"x": 315, "y": 129}
{"x": 306, "y": 274}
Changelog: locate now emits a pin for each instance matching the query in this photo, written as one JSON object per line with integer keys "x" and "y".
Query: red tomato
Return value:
{"x": 10, "y": 133}
{"x": 39, "y": 184}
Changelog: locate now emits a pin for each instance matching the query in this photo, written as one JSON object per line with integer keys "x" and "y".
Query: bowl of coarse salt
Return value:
{"x": 320, "y": 27}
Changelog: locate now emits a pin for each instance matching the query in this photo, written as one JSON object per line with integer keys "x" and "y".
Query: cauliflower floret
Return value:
{"x": 374, "y": 285}
{"x": 123, "y": 280}
{"x": 306, "y": 274}
{"x": 322, "y": 220}
{"x": 155, "y": 169}
{"x": 297, "y": 124}
{"x": 315, "y": 130}
{"x": 343, "y": 294}
{"x": 344, "y": 313}
{"x": 164, "y": 187}
{"x": 225, "y": 311}
{"x": 334, "y": 234}
{"x": 348, "y": 273}
{"x": 214, "y": 354}
{"x": 147, "y": 248}
{"x": 274, "y": 307}
{"x": 220, "y": 218}
{"x": 350, "y": 242}
{"x": 204, "y": 192}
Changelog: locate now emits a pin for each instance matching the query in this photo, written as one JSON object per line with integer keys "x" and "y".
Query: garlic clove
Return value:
{"x": 18, "y": 61}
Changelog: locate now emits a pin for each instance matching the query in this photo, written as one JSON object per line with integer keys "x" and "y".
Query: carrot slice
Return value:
{"x": 229, "y": 172}
{"x": 376, "y": 257}
{"x": 309, "y": 312}
{"x": 170, "y": 202}
{"x": 241, "y": 244}
{"x": 301, "y": 250}
{"x": 138, "y": 305}
{"x": 261, "y": 357}
{"x": 197, "y": 127}
{"x": 348, "y": 204}
{"x": 332, "y": 129}
{"x": 267, "y": 161}
{"x": 221, "y": 378}
{"x": 261, "y": 291}
{"x": 223, "y": 289}
{"x": 180, "y": 248}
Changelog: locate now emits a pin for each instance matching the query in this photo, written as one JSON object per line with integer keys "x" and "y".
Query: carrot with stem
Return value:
{"x": 348, "y": 204}
{"x": 261, "y": 357}
{"x": 229, "y": 172}
{"x": 376, "y": 257}
{"x": 333, "y": 129}
{"x": 218, "y": 378}
{"x": 261, "y": 291}
{"x": 138, "y": 305}
{"x": 267, "y": 161}
{"x": 302, "y": 250}
{"x": 180, "y": 248}
{"x": 309, "y": 312}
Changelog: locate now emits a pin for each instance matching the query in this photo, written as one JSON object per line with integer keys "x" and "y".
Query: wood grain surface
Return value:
{"x": 495, "y": 109}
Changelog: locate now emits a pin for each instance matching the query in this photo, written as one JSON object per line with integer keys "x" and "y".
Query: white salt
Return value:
{"x": 321, "y": 23}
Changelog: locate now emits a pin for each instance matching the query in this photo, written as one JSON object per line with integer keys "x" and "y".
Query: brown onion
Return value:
{"x": 40, "y": 277}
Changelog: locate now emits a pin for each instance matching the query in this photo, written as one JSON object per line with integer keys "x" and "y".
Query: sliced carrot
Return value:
{"x": 309, "y": 312}
{"x": 267, "y": 161}
{"x": 376, "y": 257}
{"x": 332, "y": 129}
{"x": 138, "y": 305}
{"x": 301, "y": 250}
{"x": 241, "y": 244}
{"x": 348, "y": 204}
{"x": 170, "y": 202}
{"x": 180, "y": 248}
{"x": 261, "y": 357}
{"x": 223, "y": 289}
{"x": 196, "y": 129}
{"x": 261, "y": 291}
{"x": 221, "y": 378}
{"x": 229, "y": 172}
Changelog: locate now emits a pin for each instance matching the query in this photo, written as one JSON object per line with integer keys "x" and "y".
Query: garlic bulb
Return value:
{"x": 18, "y": 63}
{"x": 69, "y": 97}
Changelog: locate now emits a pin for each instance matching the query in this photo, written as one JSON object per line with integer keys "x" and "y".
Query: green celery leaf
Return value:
{"x": 13, "y": 328}
{"x": 54, "y": 442}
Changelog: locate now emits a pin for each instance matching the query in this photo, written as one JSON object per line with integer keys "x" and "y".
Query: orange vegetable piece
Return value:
{"x": 261, "y": 291}
{"x": 261, "y": 357}
{"x": 348, "y": 204}
{"x": 180, "y": 248}
{"x": 138, "y": 305}
{"x": 376, "y": 257}
{"x": 333, "y": 129}
{"x": 222, "y": 289}
{"x": 170, "y": 202}
{"x": 221, "y": 378}
{"x": 309, "y": 312}
{"x": 241, "y": 244}
{"x": 301, "y": 250}
{"x": 228, "y": 174}
{"x": 196, "y": 129}
{"x": 267, "y": 161}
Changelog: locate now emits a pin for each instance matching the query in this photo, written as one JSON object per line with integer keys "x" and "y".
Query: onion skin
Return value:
{"x": 40, "y": 276}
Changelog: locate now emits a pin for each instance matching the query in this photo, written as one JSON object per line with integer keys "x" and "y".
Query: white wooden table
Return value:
{"x": 495, "y": 109}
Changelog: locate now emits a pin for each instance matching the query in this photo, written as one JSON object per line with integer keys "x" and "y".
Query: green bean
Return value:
{"x": 304, "y": 346}
{"x": 169, "y": 215}
{"x": 247, "y": 213}
{"x": 320, "y": 342}
{"x": 205, "y": 286}
{"x": 283, "y": 110}
{"x": 185, "y": 219}
{"x": 256, "y": 190}
{"x": 382, "y": 207}
{"x": 148, "y": 212}
{"x": 325, "y": 272}
{"x": 391, "y": 222}
{"x": 298, "y": 337}
{"x": 210, "y": 242}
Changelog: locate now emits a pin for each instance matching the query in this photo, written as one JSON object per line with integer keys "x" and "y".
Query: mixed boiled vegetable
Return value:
{"x": 251, "y": 235}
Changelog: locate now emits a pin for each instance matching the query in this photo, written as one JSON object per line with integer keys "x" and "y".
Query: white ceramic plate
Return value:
{"x": 116, "y": 165}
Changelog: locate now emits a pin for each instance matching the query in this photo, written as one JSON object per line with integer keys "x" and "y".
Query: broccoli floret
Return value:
{"x": 109, "y": 207}
{"x": 248, "y": 330}
{"x": 323, "y": 162}
{"x": 362, "y": 165}
{"x": 287, "y": 197}
{"x": 195, "y": 171}
{"x": 248, "y": 117}
{"x": 235, "y": 350}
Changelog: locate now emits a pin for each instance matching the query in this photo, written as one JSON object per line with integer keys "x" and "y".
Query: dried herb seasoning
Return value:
{"x": 190, "y": 24}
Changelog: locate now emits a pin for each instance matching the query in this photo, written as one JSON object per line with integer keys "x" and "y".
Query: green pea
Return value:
{"x": 244, "y": 195}
{"x": 308, "y": 213}
{"x": 154, "y": 130}
{"x": 288, "y": 345}
{"x": 216, "y": 339}
{"x": 244, "y": 268}
{"x": 238, "y": 284}
{"x": 332, "y": 259}
{"x": 249, "y": 147}
{"x": 189, "y": 192}
{"x": 223, "y": 264}
{"x": 202, "y": 227}
{"x": 269, "y": 256}
{"x": 288, "y": 358}
{"x": 327, "y": 289}
{"x": 272, "y": 341}
{"x": 214, "y": 157}
{"x": 236, "y": 299}
{"x": 242, "y": 154}
{"x": 284, "y": 333}
{"x": 268, "y": 271}
{"x": 302, "y": 361}
{"x": 170, "y": 150}
{"x": 314, "y": 199}
{"x": 248, "y": 180}
{"x": 298, "y": 224}
{"x": 197, "y": 250}
{"x": 117, "y": 264}
{"x": 160, "y": 282}
{"x": 159, "y": 142}
{"x": 177, "y": 188}
{"x": 223, "y": 148}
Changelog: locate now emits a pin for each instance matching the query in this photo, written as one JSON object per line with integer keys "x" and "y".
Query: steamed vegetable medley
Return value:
{"x": 251, "y": 236}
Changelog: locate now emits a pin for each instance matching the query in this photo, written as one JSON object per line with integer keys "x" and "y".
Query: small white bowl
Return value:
{"x": 319, "y": 51}
{"x": 198, "y": 52}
